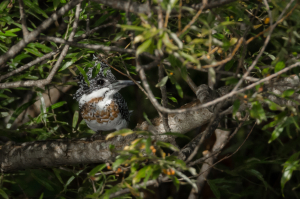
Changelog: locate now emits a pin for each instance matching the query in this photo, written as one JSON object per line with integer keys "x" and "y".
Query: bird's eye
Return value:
{"x": 100, "y": 82}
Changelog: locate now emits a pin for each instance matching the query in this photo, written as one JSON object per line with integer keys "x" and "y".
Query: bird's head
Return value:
{"x": 104, "y": 82}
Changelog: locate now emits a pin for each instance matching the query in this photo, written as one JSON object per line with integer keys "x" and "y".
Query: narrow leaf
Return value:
{"x": 162, "y": 82}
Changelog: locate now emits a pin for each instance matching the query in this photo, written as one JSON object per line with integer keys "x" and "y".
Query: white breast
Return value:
{"x": 103, "y": 105}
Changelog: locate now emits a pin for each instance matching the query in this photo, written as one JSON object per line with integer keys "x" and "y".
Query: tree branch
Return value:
{"x": 23, "y": 20}
{"x": 33, "y": 35}
{"x": 40, "y": 83}
{"x": 48, "y": 55}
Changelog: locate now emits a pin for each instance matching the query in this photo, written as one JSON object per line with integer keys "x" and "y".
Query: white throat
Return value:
{"x": 106, "y": 93}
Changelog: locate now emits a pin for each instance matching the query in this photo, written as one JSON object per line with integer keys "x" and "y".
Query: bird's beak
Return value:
{"x": 122, "y": 84}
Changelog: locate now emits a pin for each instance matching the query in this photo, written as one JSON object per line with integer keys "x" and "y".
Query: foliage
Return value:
{"x": 266, "y": 165}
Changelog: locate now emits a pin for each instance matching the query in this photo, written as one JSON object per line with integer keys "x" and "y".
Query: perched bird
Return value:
{"x": 100, "y": 104}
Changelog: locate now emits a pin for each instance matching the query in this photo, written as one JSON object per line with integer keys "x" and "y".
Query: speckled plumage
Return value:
{"x": 101, "y": 106}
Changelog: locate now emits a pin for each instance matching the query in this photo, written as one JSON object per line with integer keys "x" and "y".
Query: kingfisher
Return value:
{"x": 101, "y": 105}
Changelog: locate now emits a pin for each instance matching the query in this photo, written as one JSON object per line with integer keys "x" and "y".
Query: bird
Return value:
{"x": 100, "y": 104}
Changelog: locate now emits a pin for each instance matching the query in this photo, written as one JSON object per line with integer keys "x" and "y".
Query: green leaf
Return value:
{"x": 258, "y": 175}
{"x": 35, "y": 8}
{"x": 214, "y": 188}
{"x": 176, "y": 182}
{"x": 97, "y": 169}
{"x": 66, "y": 65}
{"x": 173, "y": 99}
{"x": 279, "y": 66}
{"x": 123, "y": 132}
{"x": 257, "y": 112}
{"x": 43, "y": 47}
{"x": 56, "y": 105}
{"x": 288, "y": 92}
{"x": 3, "y": 5}
{"x": 56, "y": 172}
{"x": 236, "y": 106}
{"x": 105, "y": 71}
{"x": 162, "y": 82}
{"x": 34, "y": 51}
{"x": 143, "y": 47}
{"x": 18, "y": 58}
{"x": 168, "y": 43}
{"x": 42, "y": 196}
{"x": 69, "y": 182}
{"x": 119, "y": 161}
{"x": 18, "y": 111}
{"x": 146, "y": 118}
{"x": 3, "y": 96}
{"x": 130, "y": 27}
{"x": 175, "y": 62}
{"x": 277, "y": 131}
{"x": 147, "y": 170}
{"x": 8, "y": 101}
{"x": 8, "y": 34}
{"x": 167, "y": 145}
{"x": 75, "y": 119}
{"x": 43, "y": 182}
{"x": 84, "y": 75}
{"x": 55, "y": 4}
{"x": 3, "y": 194}
{"x": 96, "y": 70}
{"x": 229, "y": 65}
{"x": 290, "y": 166}
{"x": 179, "y": 90}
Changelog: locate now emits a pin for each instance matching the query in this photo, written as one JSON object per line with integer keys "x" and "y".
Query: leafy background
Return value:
{"x": 266, "y": 166}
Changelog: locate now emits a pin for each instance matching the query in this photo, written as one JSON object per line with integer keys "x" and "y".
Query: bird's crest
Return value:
{"x": 100, "y": 70}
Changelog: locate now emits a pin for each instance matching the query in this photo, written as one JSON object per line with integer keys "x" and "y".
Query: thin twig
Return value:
{"x": 228, "y": 58}
{"x": 20, "y": 69}
{"x": 228, "y": 156}
{"x": 88, "y": 17}
{"x": 164, "y": 98}
{"x": 262, "y": 50}
{"x": 23, "y": 20}
{"x": 277, "y": 22}
{"x": 224, "y": 97}
{"x": 204, "y": 3}
{"x": 141, "y": 185}
{"x": 128, "y": 77}
{"x": 48, "y": 55}
{"x": 33, "y": 35}
{"x": 40, "y": 83}
{"x": 219, "y": 149}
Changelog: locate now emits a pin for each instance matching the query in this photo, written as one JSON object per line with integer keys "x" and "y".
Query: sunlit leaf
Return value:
{"x": 290, "y": 166}
{"x": 167, "y": 145}
{"x": 75, "y": 119}
{"x": 123, "y": 132}
{"x": 279, "y": 66}
{"x": 162, "y": 82}
{"x": 144, "y": 46}
{"x": 98, "y": 168}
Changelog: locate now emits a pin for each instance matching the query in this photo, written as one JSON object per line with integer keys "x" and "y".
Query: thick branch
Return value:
{"x": 54, "y": 153}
